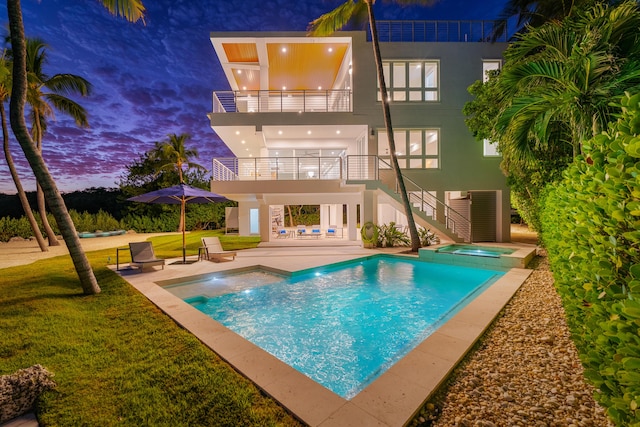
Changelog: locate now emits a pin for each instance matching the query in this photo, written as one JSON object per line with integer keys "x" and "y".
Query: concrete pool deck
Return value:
{"x": 391, "y": 400}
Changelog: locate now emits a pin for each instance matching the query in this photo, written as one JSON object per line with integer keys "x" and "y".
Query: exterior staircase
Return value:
{"x": 428, "y": 210}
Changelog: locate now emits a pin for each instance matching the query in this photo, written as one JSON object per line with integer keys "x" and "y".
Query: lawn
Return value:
{"x": 117, "y": 359}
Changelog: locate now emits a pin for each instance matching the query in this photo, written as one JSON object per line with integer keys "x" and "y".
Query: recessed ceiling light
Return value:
{"x": 284, "y": 50}
{"x": 308, "y": 132}
{"x": 239, "y": 71}
{"x": 242, "y": 141}
{"x": 246, "y": 149}
{"x": 279, "y": 132}
{"x": 319, "y": 87}
{"x": 330, "y": 49}
{"x": 237, "y": 132}
{"x": 244, "y": 88}
{"x": 284, "y": 88}
{"x": 338, "y": 131}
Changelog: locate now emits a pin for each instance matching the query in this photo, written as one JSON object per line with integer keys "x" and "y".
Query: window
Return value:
{"x": 415, "y": 148}
{"x": 490, "y": 65}
{"x": 411, "y": 81}
{"x": 490, "y": 149}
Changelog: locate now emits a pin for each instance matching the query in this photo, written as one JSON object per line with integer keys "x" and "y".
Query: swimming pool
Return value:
{"x": 342, "y": 325}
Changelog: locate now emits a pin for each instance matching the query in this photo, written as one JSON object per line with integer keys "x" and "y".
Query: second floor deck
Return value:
{"x": 279, "y": 101}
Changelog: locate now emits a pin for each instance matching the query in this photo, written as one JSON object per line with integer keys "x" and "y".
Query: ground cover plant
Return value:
{"x": 591, "y": 227}
{"x": 117, "y": 359}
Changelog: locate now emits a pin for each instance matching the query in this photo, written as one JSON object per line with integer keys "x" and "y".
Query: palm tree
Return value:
{"x": 559, "y": 79}
{"x": 174, "y": 156}
{"x": 44, "y": 93}
{"x": 333, "y": 21}
{"x": 534, "y": 13}
{"x": 5, "y": 88}
{"x": 133, "y": 11}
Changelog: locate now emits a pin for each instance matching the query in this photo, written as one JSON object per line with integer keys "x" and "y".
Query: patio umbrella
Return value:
{"x": 179, "y": 194}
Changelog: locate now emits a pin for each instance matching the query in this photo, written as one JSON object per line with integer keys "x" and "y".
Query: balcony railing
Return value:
{"x": 350, "y": 168}
{"x": 436, "y": 31}
{"x": 276, "y": 168}
{"x": 278, "y": 101}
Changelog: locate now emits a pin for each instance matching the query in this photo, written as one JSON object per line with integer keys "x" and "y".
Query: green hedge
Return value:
{"x": 591, "y": 228}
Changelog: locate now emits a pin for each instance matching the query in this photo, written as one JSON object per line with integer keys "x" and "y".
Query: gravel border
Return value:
{"x": 525, "y": 371}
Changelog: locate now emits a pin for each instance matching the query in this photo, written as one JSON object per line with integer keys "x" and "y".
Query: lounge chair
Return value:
{"x": 143, "y": 257}
{"x": 302, "y": 230}
{"x": 282, "y": 233}
{"x": 213, "y": 250}
{"x": 316, "y": 231}
{"x": 332, "y": 231}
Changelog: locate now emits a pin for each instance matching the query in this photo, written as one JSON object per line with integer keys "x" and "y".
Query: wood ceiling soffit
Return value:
{"x": 304, "y": 65}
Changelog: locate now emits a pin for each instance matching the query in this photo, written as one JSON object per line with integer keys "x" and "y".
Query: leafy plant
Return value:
{"x": 391, "y": 235}
{"x": 428, "y": 237}
{"x": 591, "y": 227}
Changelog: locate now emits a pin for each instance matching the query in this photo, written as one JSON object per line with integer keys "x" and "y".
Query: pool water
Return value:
{"x": 343, "y": 326}
{"x": 474, "y": 250}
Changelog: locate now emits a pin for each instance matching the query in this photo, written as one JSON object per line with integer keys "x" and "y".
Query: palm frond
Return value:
{"x": 69, "y": 84}
{"x": 333, "y": 21}
{"x": 131, "y": 10}
{"x": 69, "y": 107}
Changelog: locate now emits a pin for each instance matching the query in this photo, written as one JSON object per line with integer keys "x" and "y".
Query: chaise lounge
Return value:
{"x": 143, "y": 256}
{"x": 213, "y": 250}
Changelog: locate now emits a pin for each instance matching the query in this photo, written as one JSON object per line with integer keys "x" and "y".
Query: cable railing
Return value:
{"x": 363, "y": 168}
{"x": 437, "y": 31}
{"x": 279, "y": 101}
{"x": 276, "y": 168}
{"x": 350, "y": 168}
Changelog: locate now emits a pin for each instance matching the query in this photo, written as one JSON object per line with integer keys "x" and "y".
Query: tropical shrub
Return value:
{"x": 11, "y": 227}
{"x": 591, "y": 228}
{"x": 389, "y": 236}
{"x": 427, "y": 237}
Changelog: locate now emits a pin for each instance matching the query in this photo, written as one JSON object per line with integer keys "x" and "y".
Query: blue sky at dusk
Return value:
{"x": 155, "y": 79}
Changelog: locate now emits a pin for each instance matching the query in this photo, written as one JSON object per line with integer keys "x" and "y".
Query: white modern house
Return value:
{"x": 304, "y": 121}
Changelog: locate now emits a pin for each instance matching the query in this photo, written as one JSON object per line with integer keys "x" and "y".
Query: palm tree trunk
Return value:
{"x": 413, "y": 231}
{"x": 42, "y": 206}
{"x": 42, "y": 211}
{"x": 16, "y": 180}
{"x": 44, "y": 178}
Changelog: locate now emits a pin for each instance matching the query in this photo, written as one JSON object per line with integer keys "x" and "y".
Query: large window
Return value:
{"x": 415, "y": 148}
{"x": 409, "y": 81}
{"x": 490, "y": 149}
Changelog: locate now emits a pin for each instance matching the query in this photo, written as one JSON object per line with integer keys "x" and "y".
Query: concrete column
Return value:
{"x": 440, "y": 195}
{"x": 352, "y": 220}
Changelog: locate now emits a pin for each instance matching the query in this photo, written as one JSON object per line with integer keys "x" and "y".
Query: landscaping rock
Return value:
{"x": 19, "y": 391}
{"x": 525, "y": 372}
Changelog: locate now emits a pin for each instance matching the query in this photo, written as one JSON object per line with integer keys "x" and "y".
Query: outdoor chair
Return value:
{"x": 332, "y": 231}
{"x": 143, "y": 257}
{"x": 316, "y": 231}
{"x": 302, "y": 230}
{"x": 282, "y": 233}
{"x": 212, "y": 250}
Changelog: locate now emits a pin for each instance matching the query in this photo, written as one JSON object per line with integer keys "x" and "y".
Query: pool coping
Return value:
{"x": 392, "y": 399}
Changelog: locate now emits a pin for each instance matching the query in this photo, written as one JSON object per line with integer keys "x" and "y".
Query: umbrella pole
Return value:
{"x": 184, "y": 226}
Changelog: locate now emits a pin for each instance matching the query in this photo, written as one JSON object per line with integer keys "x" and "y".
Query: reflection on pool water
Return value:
{"x": 484, "y": 251}
{"x": 344, "y": 325}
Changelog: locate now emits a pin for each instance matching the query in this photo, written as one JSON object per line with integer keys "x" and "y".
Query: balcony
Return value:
{"x": 280, "y": 101}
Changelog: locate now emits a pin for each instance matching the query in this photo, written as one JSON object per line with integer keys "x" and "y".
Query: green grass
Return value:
{"x": 117, "y": 359}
